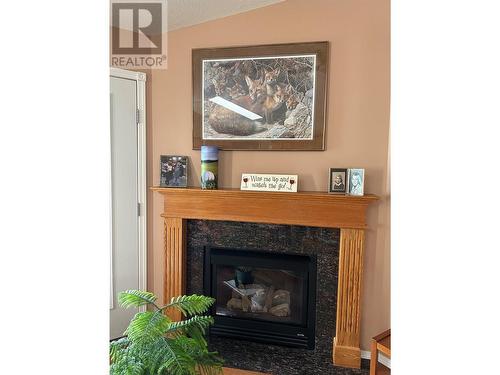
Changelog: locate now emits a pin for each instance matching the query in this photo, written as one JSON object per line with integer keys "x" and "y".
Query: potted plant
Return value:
{"x": 154, "y": 344}
{"x": 244, "y": 275}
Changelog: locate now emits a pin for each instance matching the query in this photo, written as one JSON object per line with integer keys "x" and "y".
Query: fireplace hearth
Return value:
{"x": 262, "y": 296}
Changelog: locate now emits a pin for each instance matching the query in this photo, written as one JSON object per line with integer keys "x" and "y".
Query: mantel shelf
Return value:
{"x": 302, "y": 208}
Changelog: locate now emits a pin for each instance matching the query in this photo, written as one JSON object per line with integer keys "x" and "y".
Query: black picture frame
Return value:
{"x": 173, "y": 171}
{"x": 333, "y": 187}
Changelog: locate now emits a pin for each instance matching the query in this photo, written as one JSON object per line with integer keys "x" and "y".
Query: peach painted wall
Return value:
{"x": 357, "y": 120}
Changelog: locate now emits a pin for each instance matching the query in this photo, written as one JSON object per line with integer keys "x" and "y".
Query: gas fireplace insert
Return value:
{"x": 261, "y": 296}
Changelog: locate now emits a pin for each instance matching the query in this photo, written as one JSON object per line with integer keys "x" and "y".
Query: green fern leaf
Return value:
{"x": 127, "y": 366}
{"x": 191, "y": 305}
{"x": 147, "y": 327}
{"x": 136, "y": 298}
{"x": 116, "y": 348}
{"x": 206, "y": 361}
{"x": 194, "y": 328}
{"x": 200, "y": 322}
{"x": 156, "y": 354}
{"x": 180, "y": 362}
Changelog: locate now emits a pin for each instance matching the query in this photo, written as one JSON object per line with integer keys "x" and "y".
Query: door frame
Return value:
{"x": 140, "y": 80}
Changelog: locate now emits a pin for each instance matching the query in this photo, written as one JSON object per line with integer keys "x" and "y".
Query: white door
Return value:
{"x": 125, "y": 210}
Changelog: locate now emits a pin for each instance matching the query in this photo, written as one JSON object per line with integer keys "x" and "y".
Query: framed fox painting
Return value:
{"x": 268, "y": 97}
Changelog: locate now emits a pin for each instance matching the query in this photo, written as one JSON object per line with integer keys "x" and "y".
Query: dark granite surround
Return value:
{"x": 277, "y": 360}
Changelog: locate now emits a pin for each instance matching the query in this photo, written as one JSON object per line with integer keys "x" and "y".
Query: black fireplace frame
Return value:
{"x": 285, "y": 334}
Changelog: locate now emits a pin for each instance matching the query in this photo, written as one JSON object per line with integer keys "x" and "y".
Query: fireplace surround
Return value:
{"x": 262, "y": 296}
{"x": 321, "y": 245}
{"x": 315, "y": 209}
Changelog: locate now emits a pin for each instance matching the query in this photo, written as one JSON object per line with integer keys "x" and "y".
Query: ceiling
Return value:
{"x": 182, "y": 13}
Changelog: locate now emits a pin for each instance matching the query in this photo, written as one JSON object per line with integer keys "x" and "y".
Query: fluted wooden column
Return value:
{"x": 175, "y": 261}
{"x": 346, "y": 351}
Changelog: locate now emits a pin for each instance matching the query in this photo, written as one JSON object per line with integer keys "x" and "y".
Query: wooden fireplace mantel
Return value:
{"x": 315, "y": 209}
{"x": 303, "y": 208}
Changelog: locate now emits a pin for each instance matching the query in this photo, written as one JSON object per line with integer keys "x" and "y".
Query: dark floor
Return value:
{"x": 247, "y": 355}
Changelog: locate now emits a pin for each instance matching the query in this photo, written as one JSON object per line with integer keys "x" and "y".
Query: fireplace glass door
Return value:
{"x": 269, "y": 294}
{"x": 260, "y": 294}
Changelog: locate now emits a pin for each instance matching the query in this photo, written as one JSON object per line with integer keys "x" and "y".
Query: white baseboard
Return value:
{"x": 365, "y": 354}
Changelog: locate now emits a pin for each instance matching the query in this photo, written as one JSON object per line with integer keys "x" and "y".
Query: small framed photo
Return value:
{"x": 173, "y": 171}
{"x": 356, "y": 181}
{"x": 337, "y": 180}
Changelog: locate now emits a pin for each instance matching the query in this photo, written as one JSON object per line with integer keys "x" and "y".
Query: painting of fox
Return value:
{"x": 259, "y": 98}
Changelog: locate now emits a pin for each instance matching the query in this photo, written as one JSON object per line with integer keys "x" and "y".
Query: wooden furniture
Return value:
{"x": 234, "y": 371}
{"x": 303, "y": 208}
{"x": 380, "y": 343}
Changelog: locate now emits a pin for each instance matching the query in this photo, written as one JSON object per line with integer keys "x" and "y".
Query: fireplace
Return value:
{"x": 262, "y": 296}
{"x": 335, "y": 223}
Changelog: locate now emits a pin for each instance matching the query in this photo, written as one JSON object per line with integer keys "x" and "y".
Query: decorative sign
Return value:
{"x": 269, "y": 182}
